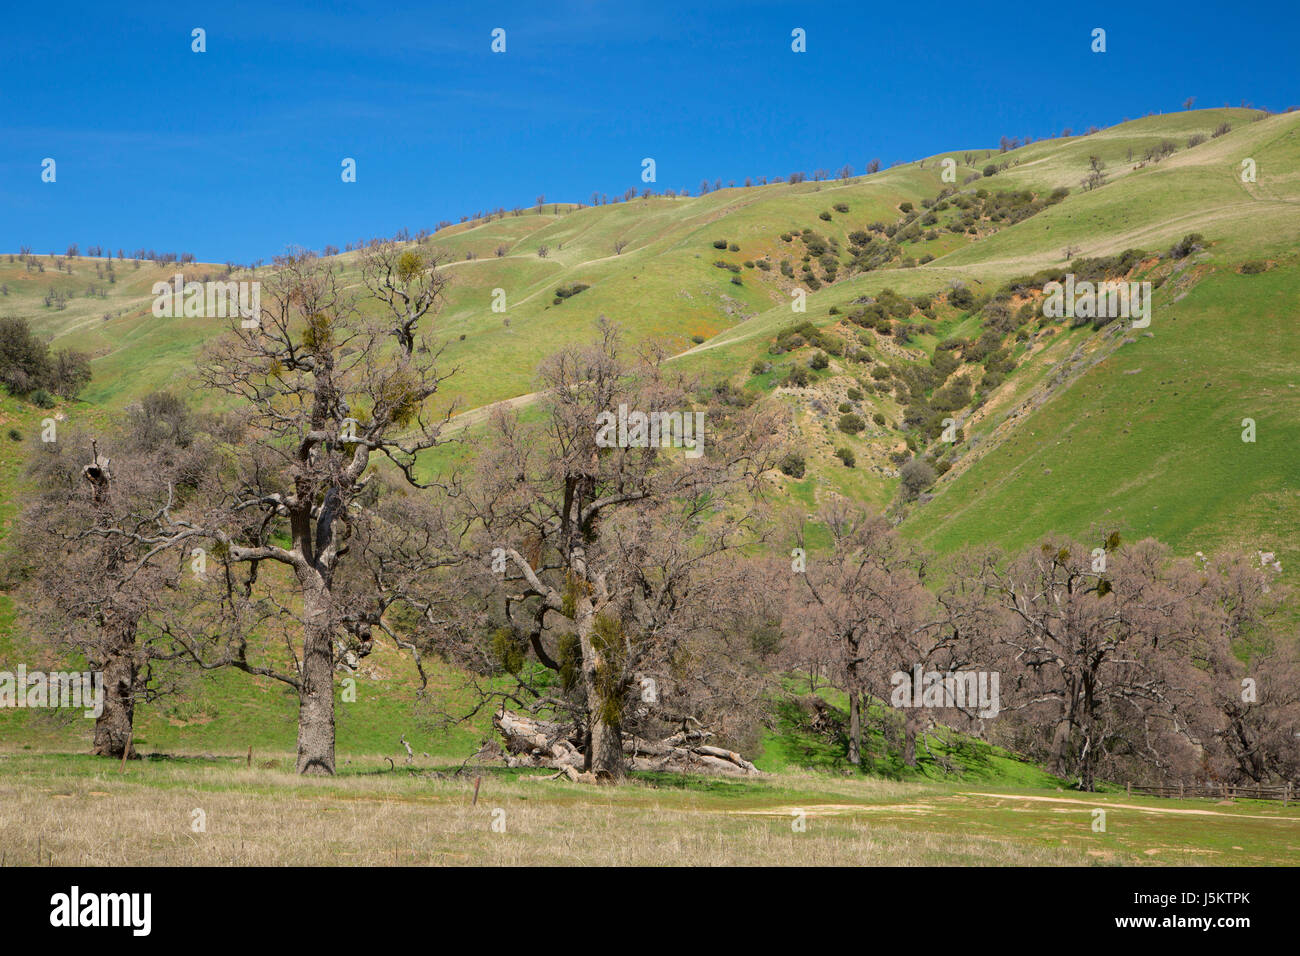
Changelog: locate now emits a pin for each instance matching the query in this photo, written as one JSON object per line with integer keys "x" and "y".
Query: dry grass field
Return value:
{"x": 79, "y": 811}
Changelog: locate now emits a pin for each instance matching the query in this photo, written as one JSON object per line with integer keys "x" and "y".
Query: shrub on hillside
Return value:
{"x": 916, "y": 477}
{"x": 1184, "y": 247}
{"x": 793, "y": 465}
{"x": 961, "y": 297}
{"x": 26, "y": 363}
{"x": 851, "y": 423}
{"x": 1254, "y": 267}
{"x": 846, "y": 455}
{"x": 1166, "y": 147}
{"x": 568, "y": 291}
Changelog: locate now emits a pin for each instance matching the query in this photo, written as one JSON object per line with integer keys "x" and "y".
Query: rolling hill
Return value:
{"x": 1085, "y": 427}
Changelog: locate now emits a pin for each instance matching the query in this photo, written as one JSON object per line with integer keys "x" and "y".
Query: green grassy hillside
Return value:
{"x": 1140, "y": 431}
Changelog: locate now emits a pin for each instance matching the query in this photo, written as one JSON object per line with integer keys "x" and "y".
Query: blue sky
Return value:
{"x": 235, "y": 153}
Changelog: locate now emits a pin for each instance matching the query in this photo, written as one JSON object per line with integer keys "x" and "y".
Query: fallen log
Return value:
{"x": 530, "y": 742}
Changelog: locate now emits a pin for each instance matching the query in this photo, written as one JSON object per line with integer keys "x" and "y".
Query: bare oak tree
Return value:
{"x": 614, "y": 559}
{"x": 95, "y": 575}
{"x": 323, "y": 396}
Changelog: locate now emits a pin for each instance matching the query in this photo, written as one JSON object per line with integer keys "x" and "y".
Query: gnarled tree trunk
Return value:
{"x": 118, "y": 661}
{"x": 604, "y": 756}
{"x": 121, "y": 676}
{"x": 316, "y": 693}
{"x": 606, "y": 753}
{"x": 855, "y": 728}
{"x": 538, "y": 743}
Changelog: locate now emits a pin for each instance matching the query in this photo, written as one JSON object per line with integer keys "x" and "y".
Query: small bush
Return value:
{"x": 961, "y": 298}
{"x": 846, "y": 455}
{"x": 879, "y": 419}
{"x": 42, "y": 399}
{"x": 851, "y": 423}
{"x": 793, "y": 465}
{"x": 15, "y": 434}
{"x": 1254, "y": 267}
{"x": 819, "y": 361}
{"x": 697, "y": 339}
{"x": 841, "y": 207}
{"x": 917, "y": 476}
{"x": 733, "y": 247}
{"x": 1187, "y": 245}
{"x": 719, "y": 243}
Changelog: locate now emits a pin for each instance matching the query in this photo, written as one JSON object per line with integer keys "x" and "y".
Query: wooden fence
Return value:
{"x": 1220, "y": 791}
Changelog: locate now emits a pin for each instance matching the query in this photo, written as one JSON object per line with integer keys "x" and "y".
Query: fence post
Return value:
{"x": 1129, "y": 787}
{"x": 1180, "y": 789}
